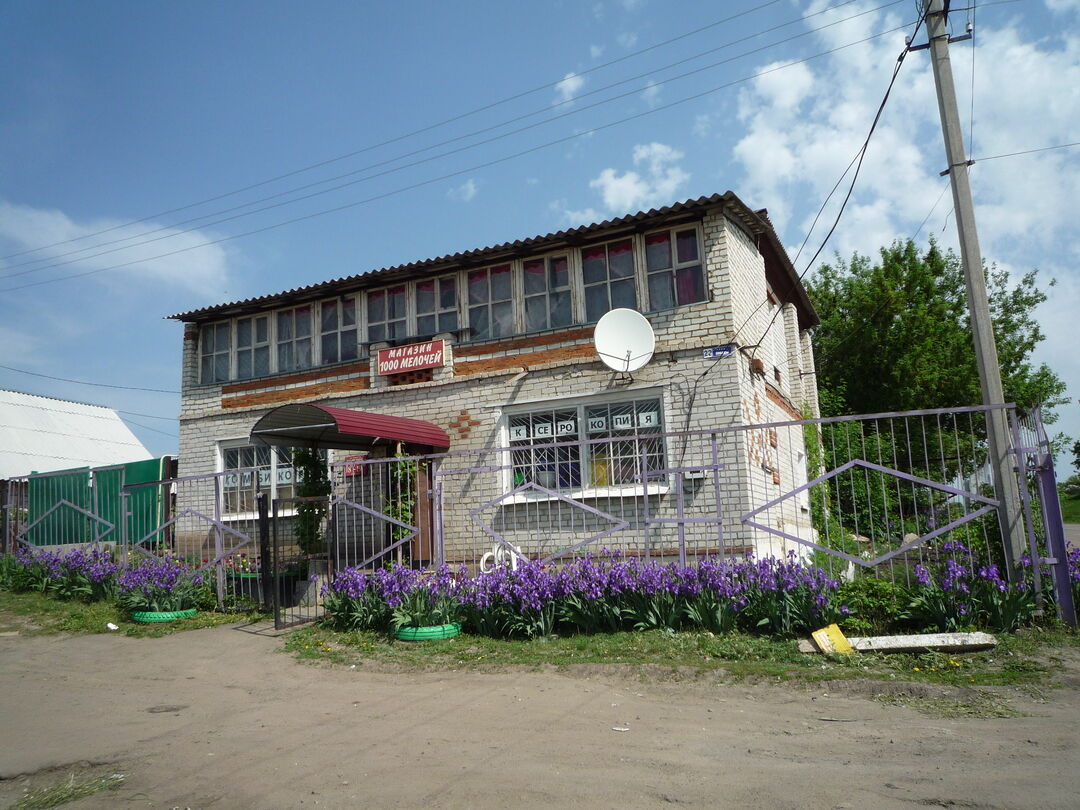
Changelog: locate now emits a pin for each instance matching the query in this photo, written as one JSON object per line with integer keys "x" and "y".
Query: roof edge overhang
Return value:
{"x": 323, "y": 427}
{"x": 753, "y": 221}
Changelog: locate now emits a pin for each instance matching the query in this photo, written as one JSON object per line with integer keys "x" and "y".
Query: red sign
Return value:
{"x": 413, "y": 357}
{"x": 354, "y": 465}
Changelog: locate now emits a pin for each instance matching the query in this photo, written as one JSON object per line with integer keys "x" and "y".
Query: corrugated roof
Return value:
{"x": 756, "y": 222}
{"x": 41, "y": 434}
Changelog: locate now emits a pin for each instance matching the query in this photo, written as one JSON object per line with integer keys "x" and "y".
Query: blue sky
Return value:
{"x": 116, "y": 113}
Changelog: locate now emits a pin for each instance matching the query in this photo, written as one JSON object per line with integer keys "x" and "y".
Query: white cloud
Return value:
{"x": 1063, "y": 6}
{"x": 568, "y": 88}
{"x": 628, "y": 39}
{"x": 204, "y": 270}
{"x": 655, "y": 182}
{"x": 651, "y": 94}
{"x": 702, "y": 125}
{"x": 596, "y": 51}
{"x": 21, "y": 344}
{"x": 632, "y": 5}
{"x": 571, "y": 218}
{"x": 465, "y": 192}
{"x": 803, "y": 124}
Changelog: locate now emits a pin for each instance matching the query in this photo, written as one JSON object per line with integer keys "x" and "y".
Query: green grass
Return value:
{"x": 977, "y": 704}
{"x": 1070, "y": 509}
{"x": 1022, "y": 659}
{"x": 31, "y": 614}
{"x": 68, "y": 791}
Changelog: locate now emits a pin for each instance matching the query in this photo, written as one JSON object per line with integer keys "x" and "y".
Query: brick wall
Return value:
{"x": 468, "y": 395}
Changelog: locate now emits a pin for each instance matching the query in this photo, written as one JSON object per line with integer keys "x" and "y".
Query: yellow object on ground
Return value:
{"x": 831, "y": 639}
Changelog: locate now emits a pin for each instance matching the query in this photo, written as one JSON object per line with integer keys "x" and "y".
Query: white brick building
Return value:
{"x": 519, "y": 366}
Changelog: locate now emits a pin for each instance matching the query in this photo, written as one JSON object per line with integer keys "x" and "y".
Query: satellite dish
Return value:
{"x": 624, "y": 340}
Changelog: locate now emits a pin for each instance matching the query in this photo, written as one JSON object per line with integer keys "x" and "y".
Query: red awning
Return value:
{"x": 344, "y": 429}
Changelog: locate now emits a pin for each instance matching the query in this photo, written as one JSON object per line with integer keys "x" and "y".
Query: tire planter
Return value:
{"x": 429, "y": 633}
{"x": 150, "y": 616}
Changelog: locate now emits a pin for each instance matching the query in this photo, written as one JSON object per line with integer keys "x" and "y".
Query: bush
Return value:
{"x": 878, "y": 606}
{"x": 958, "y": 593}
{"x": 87, "y": 576}
{"x": 159, "y": 584}
{"x": 590, "y": 595}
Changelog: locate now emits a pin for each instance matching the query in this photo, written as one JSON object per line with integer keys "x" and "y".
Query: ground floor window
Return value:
{"x": 249, "y": 469}
{"x": 552, "y": 446}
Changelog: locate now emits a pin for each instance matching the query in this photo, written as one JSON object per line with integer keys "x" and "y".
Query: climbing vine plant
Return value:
{"x": 401, "y": 499}
{"x": 311, "y": 480}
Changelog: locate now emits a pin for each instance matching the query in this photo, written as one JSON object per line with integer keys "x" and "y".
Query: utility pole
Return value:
{"x": 1006, "y": 488}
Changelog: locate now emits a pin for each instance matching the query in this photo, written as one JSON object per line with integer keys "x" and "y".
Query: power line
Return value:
{"x": 971, "y": 112}
{"x": 824, "y": 360}
{"x": 420, "y": 131}
{"x": 458, "y": 173}
{"x": 84, "y": 382}
{"x": 155, "y": 430}
{"x": 147, "y": 415}
{"x": 932, "y": 209}
{"x": 1027, "y": 151}
{"x": 577, "y": 111}
{"x": 860, "y": 155}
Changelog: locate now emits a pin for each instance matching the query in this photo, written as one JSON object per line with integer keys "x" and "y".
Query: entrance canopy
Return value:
{"x": 344, "y": 429}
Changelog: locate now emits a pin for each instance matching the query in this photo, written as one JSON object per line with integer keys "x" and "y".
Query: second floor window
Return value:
{"x": 656, "y": 271}
{"x": 294, "y": 339}
{"x": 214, "y": 352}
{"x": 547, "y": 293}
{"x": 387, "y": 314}
{"x": 436, "y": 306}
{"x": 491, "y": 310}
{"x": 674, "y": 269}
{"x": 608, "y": 274}
{"x": 338, "y": 327}
{"x": 252, "y": 347}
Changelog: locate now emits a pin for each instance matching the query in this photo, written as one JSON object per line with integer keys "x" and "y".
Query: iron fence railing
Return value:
{"x": 869, "y": 495}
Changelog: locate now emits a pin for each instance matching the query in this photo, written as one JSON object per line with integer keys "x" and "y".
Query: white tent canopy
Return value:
{"x": 41, "y": 434}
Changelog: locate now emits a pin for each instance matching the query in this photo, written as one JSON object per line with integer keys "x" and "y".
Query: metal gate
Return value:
{"x": 294, "y": 579}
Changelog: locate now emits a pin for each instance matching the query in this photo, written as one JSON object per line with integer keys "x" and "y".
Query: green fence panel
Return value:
{"x": 63, "y": 524}
{"x": 106, "y": 485}
{"x": 146, "y": 504}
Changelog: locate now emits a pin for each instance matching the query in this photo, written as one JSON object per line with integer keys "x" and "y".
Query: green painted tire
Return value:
{"x": 428, "y": 633}
{"x": 149, "y": 616}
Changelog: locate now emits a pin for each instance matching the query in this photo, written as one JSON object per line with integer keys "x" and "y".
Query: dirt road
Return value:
{"x": 219, "y": 718}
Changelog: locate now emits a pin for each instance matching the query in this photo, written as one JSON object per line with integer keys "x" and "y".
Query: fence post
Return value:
{"x": 717, "y": 496}
{"x": 1020, "y": 453}
{"x": 264, "y": 550}
{"x": 219, "y": 541}
{"x": 4, "y": 544}
{"x": 439, "y": 552}
{"x": 124, "y": 539}
{"x": 1056, "y": 546}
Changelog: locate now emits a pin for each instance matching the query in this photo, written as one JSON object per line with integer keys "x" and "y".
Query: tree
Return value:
{"x": 895, "y": 335}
